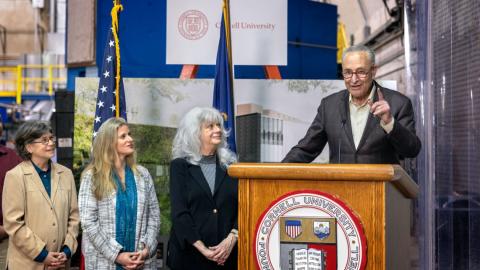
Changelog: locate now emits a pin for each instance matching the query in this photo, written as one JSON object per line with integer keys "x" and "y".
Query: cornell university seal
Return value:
{"x": 192, "y": 24}
{"x": 308, "y": 229}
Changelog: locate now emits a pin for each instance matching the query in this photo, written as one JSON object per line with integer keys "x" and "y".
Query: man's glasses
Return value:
{"x": 46, "y": 140}
{"x": 361, "y": 74}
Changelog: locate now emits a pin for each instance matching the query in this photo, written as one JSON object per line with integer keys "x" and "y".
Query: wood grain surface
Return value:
{"x": 363, "y": 188}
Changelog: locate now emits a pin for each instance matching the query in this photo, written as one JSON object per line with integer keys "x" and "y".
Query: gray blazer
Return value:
{"x": 332, "y": 125}
{"x": 97, "y": 218}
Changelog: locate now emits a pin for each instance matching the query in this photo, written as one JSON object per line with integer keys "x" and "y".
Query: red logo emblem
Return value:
{"x": 309, "y": 228}
{"x": 193, "y": 24}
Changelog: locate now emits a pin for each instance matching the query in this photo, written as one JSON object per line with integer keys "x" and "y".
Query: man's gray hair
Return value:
{"x": 360, "y": 48}
{"x": 187, "y": 144}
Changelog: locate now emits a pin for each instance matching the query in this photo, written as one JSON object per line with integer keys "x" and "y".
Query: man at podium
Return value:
{"x": 365, "y": 123}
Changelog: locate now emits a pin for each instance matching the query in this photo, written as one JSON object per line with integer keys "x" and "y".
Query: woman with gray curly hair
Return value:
{"x": 40, "y": 212}
{"x": 203, "y": 197}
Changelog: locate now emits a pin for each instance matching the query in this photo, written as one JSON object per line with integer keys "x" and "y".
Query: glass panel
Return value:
{"x": 449, "y": 75}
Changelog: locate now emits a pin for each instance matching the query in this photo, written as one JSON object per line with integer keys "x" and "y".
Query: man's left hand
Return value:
{"x": 381, "y": 108}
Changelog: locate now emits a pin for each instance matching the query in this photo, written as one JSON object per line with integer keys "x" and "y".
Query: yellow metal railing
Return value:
{"x": 15, "y": 81}
{"x": 8, "y": 81}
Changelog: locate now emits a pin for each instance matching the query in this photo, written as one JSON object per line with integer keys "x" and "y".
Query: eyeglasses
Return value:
{"x": 361, "y": 74}
{"x": 46, "y": 140}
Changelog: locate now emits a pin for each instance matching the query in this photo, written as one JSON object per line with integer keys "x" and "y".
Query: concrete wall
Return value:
{"x": 19, "y": 17}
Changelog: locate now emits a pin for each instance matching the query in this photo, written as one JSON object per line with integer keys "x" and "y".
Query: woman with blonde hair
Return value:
{"x": 118, "y": 204}
{"x": 203, "y": 197}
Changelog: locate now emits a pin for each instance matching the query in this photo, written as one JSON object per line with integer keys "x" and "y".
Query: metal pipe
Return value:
{"x": 3, "y": 39}
{"x": 387, "y": 40}
{"x": 312, "y": 45}
{"x": 53, "y": 17}
{"x": 363, "y": 11}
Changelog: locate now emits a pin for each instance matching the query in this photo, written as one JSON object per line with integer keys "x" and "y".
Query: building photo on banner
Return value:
{"x": 267, "y": 103}
{"x": 267, "y": 123}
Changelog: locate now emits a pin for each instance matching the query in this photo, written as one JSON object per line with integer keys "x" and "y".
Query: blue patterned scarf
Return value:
{"x": 126, "y": 212}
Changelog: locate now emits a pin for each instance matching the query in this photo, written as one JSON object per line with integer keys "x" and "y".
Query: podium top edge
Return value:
{"x": 328, "y": 172}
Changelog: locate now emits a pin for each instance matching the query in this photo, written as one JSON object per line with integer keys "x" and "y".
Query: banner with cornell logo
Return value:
{"x": 259, "y": 31}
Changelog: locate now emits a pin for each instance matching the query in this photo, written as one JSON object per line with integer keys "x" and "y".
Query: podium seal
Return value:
{"x": 308, "y": 229}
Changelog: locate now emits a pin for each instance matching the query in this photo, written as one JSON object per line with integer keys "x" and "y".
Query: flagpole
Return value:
{"x": 228, "y": 36}
{"x": 226, "y": 12}
{"x": 116, "y": 8}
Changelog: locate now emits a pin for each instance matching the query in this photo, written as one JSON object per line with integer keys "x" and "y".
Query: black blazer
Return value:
{"x": 332, "y": 125}
{"x": 199, "y": 215}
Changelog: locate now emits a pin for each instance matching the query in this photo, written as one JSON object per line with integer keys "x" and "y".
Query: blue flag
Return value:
{"x": 106, "y": 100}
{"x": 223, "y": 89}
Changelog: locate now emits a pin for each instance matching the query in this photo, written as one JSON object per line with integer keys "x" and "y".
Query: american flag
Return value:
{"x": 106, "y": 101}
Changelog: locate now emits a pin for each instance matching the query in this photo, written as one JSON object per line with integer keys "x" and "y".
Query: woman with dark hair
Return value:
{"x": 118, "y": 204}
{"x": 203, "y": 197}
{"x": 40, "y": 212}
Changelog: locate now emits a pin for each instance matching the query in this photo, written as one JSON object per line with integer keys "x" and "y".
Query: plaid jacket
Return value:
{"x": 97, "y": 218}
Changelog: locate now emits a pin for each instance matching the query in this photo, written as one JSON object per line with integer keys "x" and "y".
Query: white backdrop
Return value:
{"x": 259, "y": 31}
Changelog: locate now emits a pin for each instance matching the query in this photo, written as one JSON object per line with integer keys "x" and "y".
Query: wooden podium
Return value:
{"x": 379, "y": 195}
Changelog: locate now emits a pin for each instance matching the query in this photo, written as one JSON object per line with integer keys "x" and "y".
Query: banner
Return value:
{"x": 259, "y": 31}
{"x": 163, "y": 102}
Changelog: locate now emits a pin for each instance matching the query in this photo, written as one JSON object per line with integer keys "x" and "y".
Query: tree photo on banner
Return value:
{"x": 155, "y": 107}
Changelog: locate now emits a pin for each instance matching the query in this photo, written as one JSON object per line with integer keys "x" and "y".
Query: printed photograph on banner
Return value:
{"x": 267, "y": 125}
{"x": 265, "y": 117}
